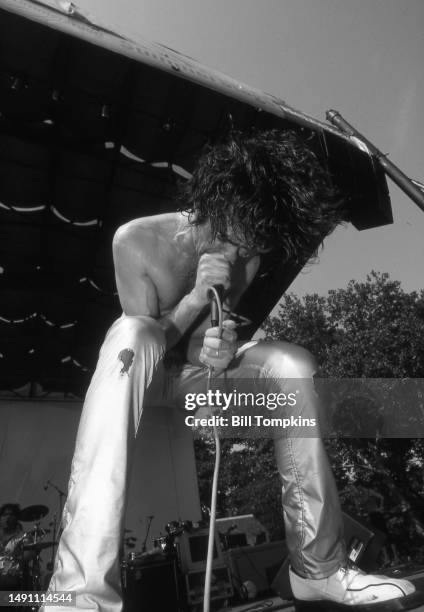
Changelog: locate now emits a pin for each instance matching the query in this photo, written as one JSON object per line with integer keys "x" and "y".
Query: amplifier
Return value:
{"x": 154, "y": 586}
{"x": 363, "y": 543}
{"x": 221, "y": 586}
{"x": 258, "y": 564}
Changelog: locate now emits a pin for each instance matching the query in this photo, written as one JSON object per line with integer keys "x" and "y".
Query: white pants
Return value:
{"x": 130, "y": 374}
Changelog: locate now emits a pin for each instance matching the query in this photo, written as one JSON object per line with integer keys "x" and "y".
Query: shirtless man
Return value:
{"x": 247, "y": 196}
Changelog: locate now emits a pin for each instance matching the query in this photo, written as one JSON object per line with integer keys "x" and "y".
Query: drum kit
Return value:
{"x": 20, "y": 563}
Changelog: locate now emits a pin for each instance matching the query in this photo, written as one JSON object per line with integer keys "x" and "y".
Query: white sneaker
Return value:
{"x": 349, "y": 586}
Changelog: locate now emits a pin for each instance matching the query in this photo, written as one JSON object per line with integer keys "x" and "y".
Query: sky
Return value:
{"x": 364, "y": 58}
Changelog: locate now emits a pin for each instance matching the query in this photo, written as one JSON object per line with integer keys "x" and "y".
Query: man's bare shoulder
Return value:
{"x": 147, "y": 262}
{"x": 147, "y": 230}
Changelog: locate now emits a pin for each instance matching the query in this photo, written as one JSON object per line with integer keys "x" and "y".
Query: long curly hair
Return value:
{"x": 267, "y": 189}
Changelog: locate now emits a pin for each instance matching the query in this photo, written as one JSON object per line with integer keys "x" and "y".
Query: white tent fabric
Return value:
{"x": 36, "y": 445}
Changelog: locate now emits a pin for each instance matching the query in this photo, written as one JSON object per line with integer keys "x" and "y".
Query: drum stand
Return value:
{"x": 32, "y": 567}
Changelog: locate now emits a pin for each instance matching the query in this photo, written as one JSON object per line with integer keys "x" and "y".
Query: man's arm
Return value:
{"x": 133, "y": 251}
{"x": 137, "y": 292}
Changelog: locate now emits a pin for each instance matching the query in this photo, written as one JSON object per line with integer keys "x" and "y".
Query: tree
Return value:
{"x": 371, "y": 329}
{"x": 248, "y": 480}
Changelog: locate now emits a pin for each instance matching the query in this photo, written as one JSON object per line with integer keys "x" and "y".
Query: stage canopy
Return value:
{"x": 96, "y": 130}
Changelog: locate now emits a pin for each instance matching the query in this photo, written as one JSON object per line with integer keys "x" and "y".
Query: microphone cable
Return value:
{"x": 212, "y": 517}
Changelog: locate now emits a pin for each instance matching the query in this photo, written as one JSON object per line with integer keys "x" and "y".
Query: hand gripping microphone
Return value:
{"x": 217, "y": 291}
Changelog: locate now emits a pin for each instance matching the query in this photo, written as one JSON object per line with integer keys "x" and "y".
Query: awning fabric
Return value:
{"x": 91, "y": 138}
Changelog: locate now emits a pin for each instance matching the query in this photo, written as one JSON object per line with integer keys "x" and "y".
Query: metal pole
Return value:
{"x": 405, "y": 183}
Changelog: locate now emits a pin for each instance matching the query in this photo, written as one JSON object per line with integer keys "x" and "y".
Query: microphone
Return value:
{"x": 214, "y": 306}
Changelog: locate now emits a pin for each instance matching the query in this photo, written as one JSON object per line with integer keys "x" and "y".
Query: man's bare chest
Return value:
{"x": 178, "y": 277}
{"x": 173, "y": 279}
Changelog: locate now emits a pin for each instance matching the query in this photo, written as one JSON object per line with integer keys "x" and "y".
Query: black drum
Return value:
{"x": 10, "y": 573}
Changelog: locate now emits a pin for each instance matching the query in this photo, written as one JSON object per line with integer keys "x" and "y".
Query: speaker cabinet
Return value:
{"x": 362, "y": 543}
{"x": 154, "y": 586}
{"x": 256, "y": 563}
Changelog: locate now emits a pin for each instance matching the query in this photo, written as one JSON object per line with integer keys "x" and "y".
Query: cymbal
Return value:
{"x": 33, "y": 513}
{"x": 39, "y": 545}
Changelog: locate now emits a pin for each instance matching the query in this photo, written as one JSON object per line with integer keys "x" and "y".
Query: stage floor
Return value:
{"x": 273, "y": 604}
{"x": 269, "y": 604}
